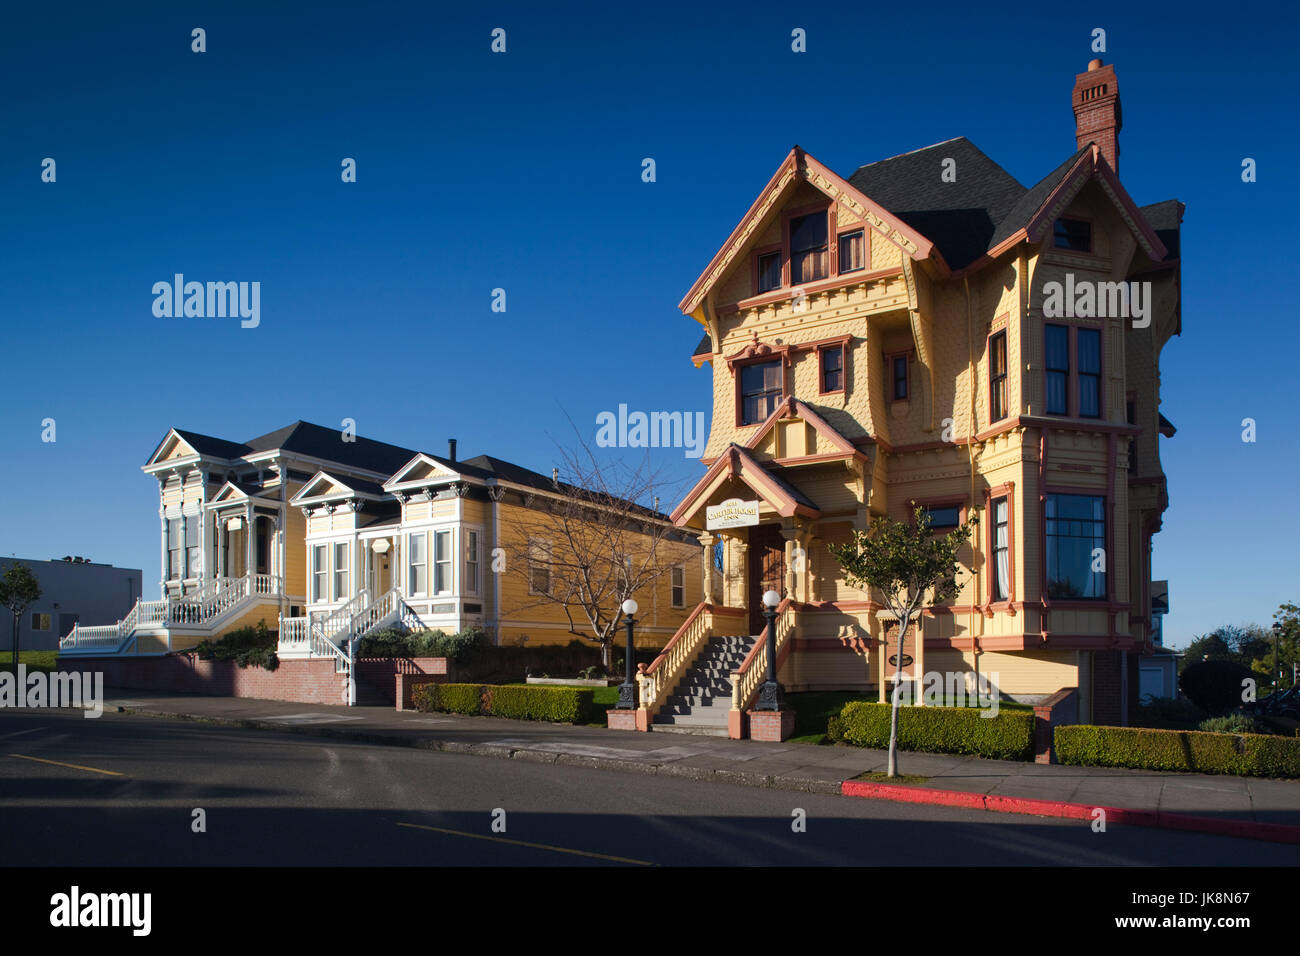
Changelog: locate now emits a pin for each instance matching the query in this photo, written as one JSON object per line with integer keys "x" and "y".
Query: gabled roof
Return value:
{"x": 960, "y": 217}
{"x": 798, "y": 167}
{"x": 302, "y": 438}
{"x": 238, "y": 491}
{"x": 794, "y": 408}
{"x": 1019, "y": 215}
{"x": 736, "y": 463}
{"x": 1166, "y": 219}
{"x": 325, "y": 485}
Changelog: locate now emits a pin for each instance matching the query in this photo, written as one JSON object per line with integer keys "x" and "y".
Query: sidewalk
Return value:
{"x": 1241, "y": 806}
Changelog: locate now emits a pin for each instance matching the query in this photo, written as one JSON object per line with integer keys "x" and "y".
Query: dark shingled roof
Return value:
{"x": 704, "y": 348}
{"x": 316, "y": 441}
{"x": 1019, "y": 215}
{"x": 207, "y": 445}
{"x": 1166, "y": 219}
{"x": 962, "y": 217}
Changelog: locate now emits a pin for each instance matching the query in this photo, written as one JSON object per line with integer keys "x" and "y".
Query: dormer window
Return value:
{"x": 761, "y": 390}
{"x": 1072, "y": 234}
{"x": 808, "y": 248}
{"x": 769, "y": 271}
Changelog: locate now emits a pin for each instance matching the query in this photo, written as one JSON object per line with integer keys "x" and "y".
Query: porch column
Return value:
{"x": 706, "y": 542}
{"x": 791, "y": 536}
{"x": 742, "y": 561}
{"x": 162, "y": 583}
{"x": 223, "y": 539}
{"x": 249, "y": 543}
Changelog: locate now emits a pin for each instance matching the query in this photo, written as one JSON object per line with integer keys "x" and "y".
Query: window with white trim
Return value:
{"x": 679, "y": 586}
{"x": 319, "y": 573}
{"x": 471, "y": 562}
{"x": 341, "y": 568}
{"x": 442, "y": 562}
{"x": 417, "y": 548}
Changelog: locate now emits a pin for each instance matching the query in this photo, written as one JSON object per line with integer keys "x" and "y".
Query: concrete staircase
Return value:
{"x": 699, "y": 704}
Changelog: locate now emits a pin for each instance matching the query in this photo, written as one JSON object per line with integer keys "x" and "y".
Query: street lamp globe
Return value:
{"x": 771, "y": 598}
{"x": 630, "y": 607}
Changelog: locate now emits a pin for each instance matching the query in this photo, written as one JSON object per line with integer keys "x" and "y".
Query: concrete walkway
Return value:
{"x": 787, "y": 766}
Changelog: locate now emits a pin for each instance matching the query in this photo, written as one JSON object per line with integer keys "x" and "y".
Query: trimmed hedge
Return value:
{"x": 1190, "y": 751}
{"x": 945, "y": 730}
{"x": 561, "y": 705}
{"x": 448, "y": 698}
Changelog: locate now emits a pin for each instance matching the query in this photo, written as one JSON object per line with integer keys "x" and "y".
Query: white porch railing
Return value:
{"x": 215, "y": 597}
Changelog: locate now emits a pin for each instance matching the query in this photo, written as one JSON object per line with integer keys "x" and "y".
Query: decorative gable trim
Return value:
{"x": 438, "y": 474}
{"x": 799, "y": 166}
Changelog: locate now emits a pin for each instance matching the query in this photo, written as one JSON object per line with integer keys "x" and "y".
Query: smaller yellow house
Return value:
{"x": 329, "y": 536}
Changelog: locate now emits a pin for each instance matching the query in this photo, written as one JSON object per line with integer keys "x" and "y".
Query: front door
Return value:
{"x": 766, "y": 570}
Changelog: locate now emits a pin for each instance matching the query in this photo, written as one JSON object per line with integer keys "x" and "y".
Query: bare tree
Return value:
{"x": 589, "y": 539}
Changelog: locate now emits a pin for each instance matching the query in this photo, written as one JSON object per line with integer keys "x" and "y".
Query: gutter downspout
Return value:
{"x": 970, "y": 456}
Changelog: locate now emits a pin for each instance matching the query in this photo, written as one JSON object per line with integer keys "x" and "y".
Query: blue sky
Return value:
{"x": 522, "y": 171}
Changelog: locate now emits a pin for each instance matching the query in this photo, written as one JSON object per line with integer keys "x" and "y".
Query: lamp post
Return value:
{"x": 769, "y": 695}
{"x": 627, "y": 690}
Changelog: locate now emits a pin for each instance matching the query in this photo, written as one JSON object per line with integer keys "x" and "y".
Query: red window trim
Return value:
{"x": 992, "y": 603}
{"x": 758, "y": 254}
{"x": 1072, "y": 403}
{"x": 1108, "y": 510}
{"x": 909, "y": 354}
{"x": 841, "y": 346}
{"x": 782, "y": 355}
{"x": 1001, "y": 328}
{"x": 1092, "y": 236}
{"x": 866, "y": 248}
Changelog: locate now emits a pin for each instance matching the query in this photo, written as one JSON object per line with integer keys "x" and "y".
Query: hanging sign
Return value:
{"x": 732, "y": 513}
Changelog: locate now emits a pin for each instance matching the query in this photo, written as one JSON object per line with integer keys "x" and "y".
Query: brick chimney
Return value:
{"x": 1097, "y": 115}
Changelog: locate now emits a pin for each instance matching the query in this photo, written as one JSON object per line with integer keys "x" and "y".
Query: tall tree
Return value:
{"x": 903, "y": 561}
{"x": 19, "y": 590}
{"x": 591, "y": 539}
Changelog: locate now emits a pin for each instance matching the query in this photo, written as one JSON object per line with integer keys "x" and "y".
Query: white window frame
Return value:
{"x": 443, "y": 565}
{"x": 319, "y": 585}
{"x": 412, "y": 564}
{"x": 341, "y": 548}
{"x": 473, "y": 559}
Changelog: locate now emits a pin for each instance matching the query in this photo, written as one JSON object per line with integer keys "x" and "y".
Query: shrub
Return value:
{"x": 1189, "y": 751}
{"x": 397, "y": 641}
{"x": 448, "y": 698}
{"x": 1215, "y": 685}
{"x": 571, "y": 705}
{"x": 953, "y": 730}
{"x": 1233, "y": 724}
{"x": 560, "y": 705}
{"x": 245, "y": 646}
{"x": 835, "y": 728}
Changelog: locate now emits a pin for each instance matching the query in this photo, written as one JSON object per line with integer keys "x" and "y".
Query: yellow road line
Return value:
{"x": 74, "y": 766}
{"x": 535, "y": 846}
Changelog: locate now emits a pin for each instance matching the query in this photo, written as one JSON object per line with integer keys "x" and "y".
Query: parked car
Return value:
{"x": 1282, "y": 703}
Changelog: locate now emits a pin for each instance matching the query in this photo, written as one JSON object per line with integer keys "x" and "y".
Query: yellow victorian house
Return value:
{"x": 927, "y": 330}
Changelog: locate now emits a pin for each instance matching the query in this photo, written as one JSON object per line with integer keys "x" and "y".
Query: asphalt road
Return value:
{"x": 121, "y": 790}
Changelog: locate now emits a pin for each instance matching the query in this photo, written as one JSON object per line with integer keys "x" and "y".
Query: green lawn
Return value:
{"x": 35, "y": 660}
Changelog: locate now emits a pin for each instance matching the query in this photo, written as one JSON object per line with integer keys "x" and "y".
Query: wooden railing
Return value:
{"x": 752, "y": 672}
{"x": 666, "y": 671}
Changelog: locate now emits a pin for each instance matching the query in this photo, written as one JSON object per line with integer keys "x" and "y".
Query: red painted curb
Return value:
{"x": 899, "y": 793}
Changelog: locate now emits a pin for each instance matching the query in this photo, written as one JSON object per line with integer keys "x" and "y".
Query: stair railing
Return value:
{"x": 747, "y": 678}
{"x": 666, "y": 671}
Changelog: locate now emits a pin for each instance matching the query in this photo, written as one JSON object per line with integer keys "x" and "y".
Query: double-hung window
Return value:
{"x": 769, "y": 271}
{"x": 417, "y": 551}
{"x": 193, "y": 553}
{"x": 998, "y": 377}
{"x": 471, "y": 562}
{"x": 808, "y": 248}
{"x": 761, "y": 390}
{"x": 852, "y": 252}
{"x": 319, "y": 573}
{"x": 442, "y": 562}
{"x": 341, "y": 564}
{"x": 173, "y": 549}
{"x": 679, "y": 586}
{"x": 1079, "y": 380}
{"x": 1001, "y": 549}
